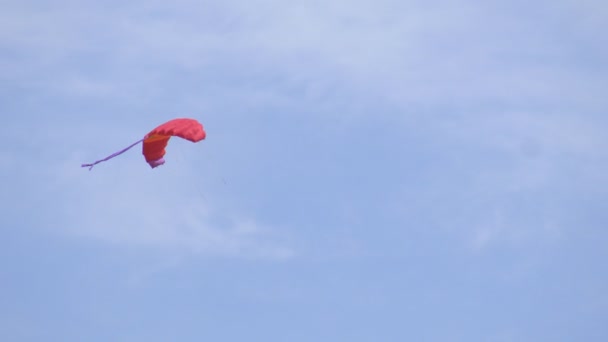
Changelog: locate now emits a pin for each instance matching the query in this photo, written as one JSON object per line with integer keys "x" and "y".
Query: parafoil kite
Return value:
{"x": 154, "y": 143}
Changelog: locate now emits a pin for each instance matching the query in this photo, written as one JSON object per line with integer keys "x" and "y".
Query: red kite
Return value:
{"x": 154, "y": 143}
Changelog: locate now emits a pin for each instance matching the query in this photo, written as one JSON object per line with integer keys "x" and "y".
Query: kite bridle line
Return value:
{"x": 90, "y": 166}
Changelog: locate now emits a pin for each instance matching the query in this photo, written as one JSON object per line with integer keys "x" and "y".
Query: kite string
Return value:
{"x": 90, "y": 166}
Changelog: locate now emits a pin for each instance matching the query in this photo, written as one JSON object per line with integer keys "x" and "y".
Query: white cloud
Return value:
{"x": 401, "y": 52}
{"x": 130, "y": 205}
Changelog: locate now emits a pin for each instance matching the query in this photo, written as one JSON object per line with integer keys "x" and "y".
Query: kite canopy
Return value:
{"x": 154, "y": 143}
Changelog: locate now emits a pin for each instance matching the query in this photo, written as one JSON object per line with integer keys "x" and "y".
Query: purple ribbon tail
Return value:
{"x": 90, "y": 166}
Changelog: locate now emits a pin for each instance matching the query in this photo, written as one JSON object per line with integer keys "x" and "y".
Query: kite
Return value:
{"x": 154, "y": 143}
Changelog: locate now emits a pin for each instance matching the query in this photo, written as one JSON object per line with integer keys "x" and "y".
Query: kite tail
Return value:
{"x": 90, "y": 166}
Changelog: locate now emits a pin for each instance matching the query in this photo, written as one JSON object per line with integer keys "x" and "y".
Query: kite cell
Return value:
{"x": 156, "y": 140}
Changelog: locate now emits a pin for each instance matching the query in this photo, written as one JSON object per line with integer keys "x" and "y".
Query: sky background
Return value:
{"x": 374, "y": 170}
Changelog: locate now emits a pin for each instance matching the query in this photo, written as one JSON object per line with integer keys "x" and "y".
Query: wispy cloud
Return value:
{"x": 162, "y": 210}
{"x": 399, "y": 53}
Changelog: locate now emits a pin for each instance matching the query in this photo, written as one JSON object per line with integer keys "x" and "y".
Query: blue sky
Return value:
{"x": 373, "y": 171}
